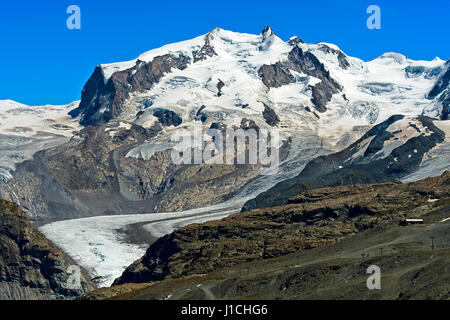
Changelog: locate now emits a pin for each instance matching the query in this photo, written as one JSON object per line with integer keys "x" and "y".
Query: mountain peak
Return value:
{"x": 293, "y": 41}
{"x": 267, "y": 31}
{"x": 254, "y": 64}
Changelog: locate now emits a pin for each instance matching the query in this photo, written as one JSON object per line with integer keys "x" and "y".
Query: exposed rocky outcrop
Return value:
{"x": 294, "y": 41}
{"x": 414, "y": 71}
{"x": 219, "y": 86}
{"x": 267, "y": 32}
{"x": 270, "y": 116}
{"x": 101, "y": 102}
{"x": 249, "y": 124}
{"x": 342, "y": 58}
{"x": 206, "y": 51}
{"x": 91, "y": 175}
{"x": 310, "y": 219}
{"x": 275, "y": 75}
{"x": 200, "y": 115}
{"x": 442, "y": 83}
{"x": 307, "y": 62}
{"x": 30, "y": 266}
{"x": 321, "y": 94}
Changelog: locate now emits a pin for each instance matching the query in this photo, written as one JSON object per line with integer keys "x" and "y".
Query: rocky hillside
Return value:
{"x": 30, "y": 266}
{"x": 311, "y": 219}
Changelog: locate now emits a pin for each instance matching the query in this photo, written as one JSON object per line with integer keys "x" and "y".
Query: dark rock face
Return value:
{"x": 168, "y": 117}
{"x": 307, "y": 63}
{"x": 428, "y": 73}
{"x": 380, "y": 134}
{"x": 278, "y": 74}
{"x": 270, "y": 116}
{"x": 321, "y": 94}
{"x": 93, "y": 87}
{"x": 446, "y": 108}
{"x": 101, "y": 102}
{"x": 340, "y": 169}
{"x": 30, "y": 267}
{"x": 267, "y": 31}
{"x": 204, "y": 52}
{"x": 294, "y": 41}
{"x": 442, "y": 83}
{"x": 309, "y": 220}
{"x": 343, "y": 61}
{"x": 275, "y": 75}
{"x": 442, "y": 88}
{"x": 218, "y": 126}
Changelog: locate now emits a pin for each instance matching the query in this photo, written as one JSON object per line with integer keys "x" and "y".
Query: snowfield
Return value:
{"x": 25, "y": 130}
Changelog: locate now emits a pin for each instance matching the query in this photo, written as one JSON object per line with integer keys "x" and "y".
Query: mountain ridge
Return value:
{"x": 254, "y": 51}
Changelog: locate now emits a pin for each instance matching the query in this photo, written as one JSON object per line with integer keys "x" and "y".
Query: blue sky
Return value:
{"x": 41, "y": 61}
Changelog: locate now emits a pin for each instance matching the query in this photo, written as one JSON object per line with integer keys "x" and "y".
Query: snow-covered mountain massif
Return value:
{"x": 25, "y": 130}
{"x": 320, "y": 100}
